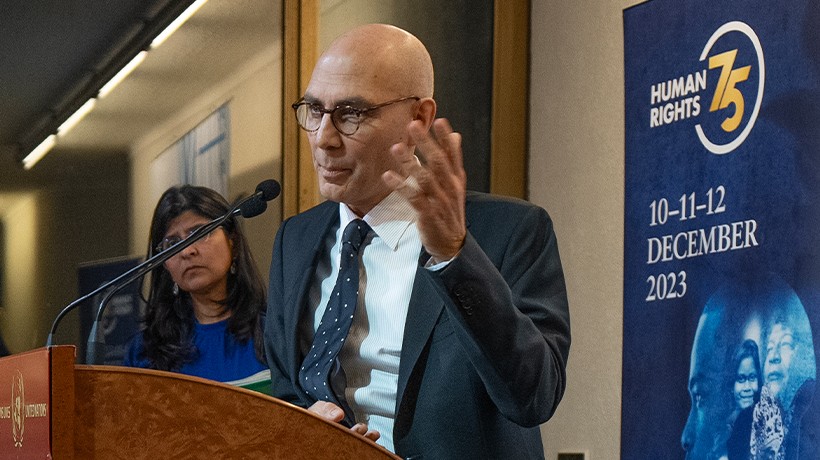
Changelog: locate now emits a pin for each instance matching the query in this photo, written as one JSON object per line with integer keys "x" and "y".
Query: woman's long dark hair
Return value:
{"x": 169, "y": 319}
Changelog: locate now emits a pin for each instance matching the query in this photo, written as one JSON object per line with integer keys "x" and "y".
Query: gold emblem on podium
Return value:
{"x": 18, "y": 404}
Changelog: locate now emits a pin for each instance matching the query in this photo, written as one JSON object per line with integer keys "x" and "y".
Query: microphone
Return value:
{"x": 258, "y": 202}
{"x": 255, "y": 204}
{"x": 268, "y": 189}
{"x": 251, "y": 206}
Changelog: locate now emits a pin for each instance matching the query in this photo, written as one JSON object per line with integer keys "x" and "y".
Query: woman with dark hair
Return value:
{"x": 206, "y": 304}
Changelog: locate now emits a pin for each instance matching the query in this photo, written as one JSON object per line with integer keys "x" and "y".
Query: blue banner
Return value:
{"x": 722, "y": 230}
{"x": 122, "y": 315}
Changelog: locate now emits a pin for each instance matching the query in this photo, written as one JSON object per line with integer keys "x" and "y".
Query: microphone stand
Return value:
{"x": 139, "y": 271}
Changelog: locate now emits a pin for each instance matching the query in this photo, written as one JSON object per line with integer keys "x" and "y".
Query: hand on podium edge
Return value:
{"x": 334, "y": 413}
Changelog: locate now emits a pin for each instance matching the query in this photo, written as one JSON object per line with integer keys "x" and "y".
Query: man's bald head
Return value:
{"x": 385, "y": 57}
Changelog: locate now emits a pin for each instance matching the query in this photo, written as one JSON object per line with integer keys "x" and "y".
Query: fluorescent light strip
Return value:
{"x": 172, "y": 27}
{"x": 76, "y": 117}
{"x": 120, "y": 76}
{"x": 39, "y": 152}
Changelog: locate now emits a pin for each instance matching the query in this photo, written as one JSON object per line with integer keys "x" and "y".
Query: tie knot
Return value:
{"x": 355, "y": 233}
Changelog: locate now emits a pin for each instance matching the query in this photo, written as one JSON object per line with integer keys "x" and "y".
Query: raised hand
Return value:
{"x": 435, "y": 185}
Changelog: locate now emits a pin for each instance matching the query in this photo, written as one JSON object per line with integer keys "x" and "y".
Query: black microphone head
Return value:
{"x": 269, "y": 188}
{"x": 253, "y": 207}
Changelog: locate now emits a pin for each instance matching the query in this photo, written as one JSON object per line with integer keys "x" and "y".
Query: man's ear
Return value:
{"x": 426, "y": 111}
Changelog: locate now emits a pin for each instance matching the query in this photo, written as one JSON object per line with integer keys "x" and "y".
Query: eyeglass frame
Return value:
{"x": 171, "y": 241}
{"x": 358, "y": 111}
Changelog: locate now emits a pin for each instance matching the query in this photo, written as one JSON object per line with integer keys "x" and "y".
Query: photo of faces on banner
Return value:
{"x": 752, "y": 373}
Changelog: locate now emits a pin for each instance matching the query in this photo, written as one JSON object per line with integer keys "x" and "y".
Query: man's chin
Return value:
{"x": 331, "y": 191}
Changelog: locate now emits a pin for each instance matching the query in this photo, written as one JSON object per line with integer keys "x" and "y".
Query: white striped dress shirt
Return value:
{"x": 372, "y": 351}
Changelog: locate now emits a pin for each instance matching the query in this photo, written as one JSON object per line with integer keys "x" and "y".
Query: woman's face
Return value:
{"x": 201, "y": 269}
{"x": 779, "y": 353}
{"x": 746, "y": 383}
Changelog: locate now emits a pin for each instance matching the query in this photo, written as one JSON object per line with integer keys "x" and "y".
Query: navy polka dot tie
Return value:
{"x": 320, "y": 362}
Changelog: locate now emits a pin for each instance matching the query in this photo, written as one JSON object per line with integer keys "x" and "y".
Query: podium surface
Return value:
{"x": 110, "y": 412}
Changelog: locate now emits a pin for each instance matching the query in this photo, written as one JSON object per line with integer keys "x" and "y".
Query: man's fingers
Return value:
{"x": 452, "y": 143}
{"x": 372, "y": 435}
{"x": 361, "y": 428}
{"x": 404, "y": 152}
{"x": 404, "y": 181}
{"x": 334, "y": 413}
{"x": 327, "y": 411}
{"x": 440, "y": 149}
{"x": 429, "y": 146}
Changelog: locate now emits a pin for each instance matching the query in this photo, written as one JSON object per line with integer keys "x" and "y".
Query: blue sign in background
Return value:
{"x": 734, "y": 234}
{"x": 122, "y": 315}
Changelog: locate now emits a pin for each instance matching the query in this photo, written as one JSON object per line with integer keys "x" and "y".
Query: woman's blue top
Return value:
{"x": 220, "y": 357}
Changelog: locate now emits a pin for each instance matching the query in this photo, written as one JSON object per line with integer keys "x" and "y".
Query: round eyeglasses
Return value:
{"x": 169, "y": 241}
{"x": 345, "y": 118}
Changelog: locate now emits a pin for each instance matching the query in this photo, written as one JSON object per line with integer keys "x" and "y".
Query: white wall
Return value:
{"x": 21, "y": 300}
{"x": 577, "y": 173}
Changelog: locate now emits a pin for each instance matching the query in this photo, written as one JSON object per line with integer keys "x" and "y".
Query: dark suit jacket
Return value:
{"x": 486, "y": 341}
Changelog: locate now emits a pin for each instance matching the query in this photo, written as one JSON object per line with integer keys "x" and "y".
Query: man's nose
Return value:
{"x": 687, "y": 438}
{"x": 327, "y": 136}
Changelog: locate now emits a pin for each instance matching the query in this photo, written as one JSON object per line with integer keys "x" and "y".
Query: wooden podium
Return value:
{"x": 61, "y": 410}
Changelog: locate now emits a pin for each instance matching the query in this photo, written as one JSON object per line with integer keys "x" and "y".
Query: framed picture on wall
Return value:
{"x": 201, "y": 157}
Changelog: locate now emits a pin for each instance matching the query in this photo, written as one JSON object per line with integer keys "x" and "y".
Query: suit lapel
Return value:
{"x": 426, "y": 306}
{"x": 423, "y": 313}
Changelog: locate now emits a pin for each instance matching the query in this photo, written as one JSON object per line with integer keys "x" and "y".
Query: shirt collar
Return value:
{"x": 389, "y": 219}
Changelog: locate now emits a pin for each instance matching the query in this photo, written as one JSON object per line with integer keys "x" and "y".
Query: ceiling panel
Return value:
{"x": 48, "y": 48}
